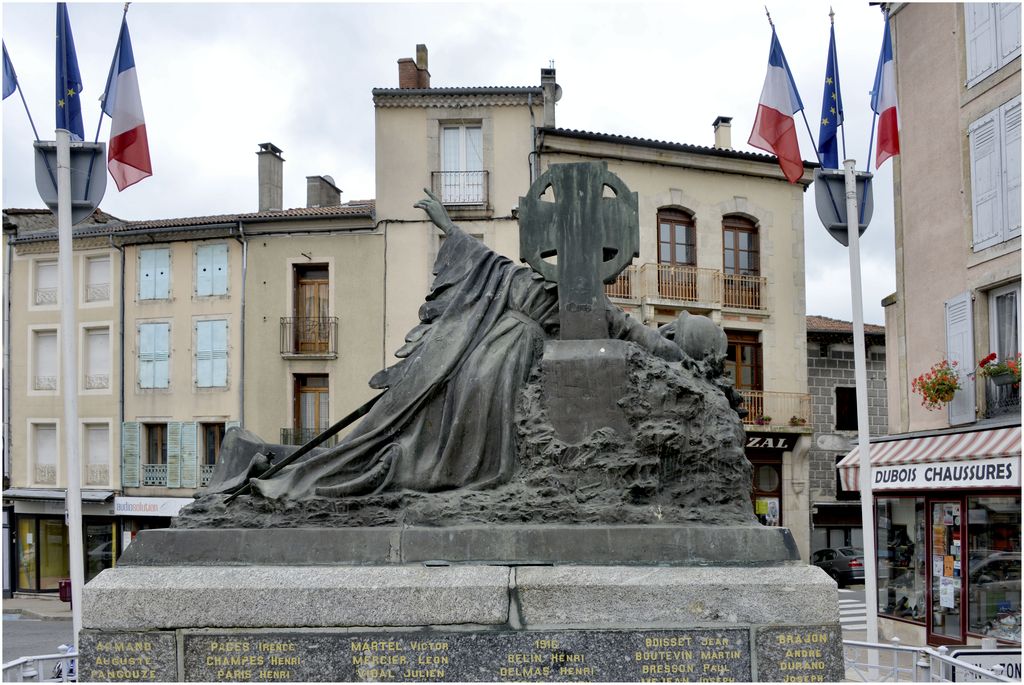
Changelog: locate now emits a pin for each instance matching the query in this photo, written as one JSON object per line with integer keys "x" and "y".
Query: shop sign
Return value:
{"x": 1009, "y": 659}
{"x": 981, "y": 473}
{"x": 771, "y": 442}
{"x": 150, "y": 506}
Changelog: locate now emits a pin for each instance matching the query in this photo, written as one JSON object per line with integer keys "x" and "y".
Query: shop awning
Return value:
{"x": 994, "y": 443}
{"x": 40, "y": 494}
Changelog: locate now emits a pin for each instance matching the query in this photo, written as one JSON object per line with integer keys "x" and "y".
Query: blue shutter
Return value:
{"x": 204, "y": 269}
{"x": 146, "y": 350}
{"x": 980, "y": 41}
{"x": 219, "y": 268}
{"x": 162, "y": 276}
{"x": 162, "y": 355}
{"x": 130, "y": 454}
{"x": 1010, "y": 121}
{"x": 189, "y": 453}
{"x": 173, "y": 454}
{"x": 986, "y": 181}
{"x": 960, "y": 349}
{"x": 146, "y": 273}
{"x": 212, "y": 354}
{"x": 204, "y": 355}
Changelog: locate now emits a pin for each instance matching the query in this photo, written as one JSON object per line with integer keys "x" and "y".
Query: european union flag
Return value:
{"x": 10, "y": 78}
{"x": 831, "y": 110}
{"x": 69, "y": 81}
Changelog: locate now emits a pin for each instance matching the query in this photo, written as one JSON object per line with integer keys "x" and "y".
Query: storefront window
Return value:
{"x": 993, "y": 583}
{"x": 947, "y": 569}
{"x": 901, "y": 558}
{"x": 27, "y": 554}
{"x": 53, "y": 553}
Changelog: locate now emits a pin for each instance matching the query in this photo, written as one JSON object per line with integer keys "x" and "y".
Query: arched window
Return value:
{"x": 741, "y": 263}
{"x": 677, "y": 255}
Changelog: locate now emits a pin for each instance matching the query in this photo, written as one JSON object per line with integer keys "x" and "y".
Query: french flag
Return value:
{"x": 883, "y": 102}
{"x": 774, "y": 127}
{"x": 128, "y": 152}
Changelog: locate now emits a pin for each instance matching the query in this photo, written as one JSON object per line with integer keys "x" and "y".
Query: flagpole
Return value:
{"x": 69, "y": 384}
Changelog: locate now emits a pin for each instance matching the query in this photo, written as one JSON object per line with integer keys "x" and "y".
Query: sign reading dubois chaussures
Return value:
{"x": 805, "y": 654}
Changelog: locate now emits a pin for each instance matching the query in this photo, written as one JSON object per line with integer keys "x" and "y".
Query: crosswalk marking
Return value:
{"x": 852, "y": 612}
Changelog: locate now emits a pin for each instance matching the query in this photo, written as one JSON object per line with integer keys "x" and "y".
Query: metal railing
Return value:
{"x": 1001, "y": 400}
{"x": 624, "y": 286}
{"x": 45, "y": 668}
{"x": 693, "y": 284}
{"x": 309, "y": 335}
{"x": 870, "y": 662}
{"x": 743, "y": 292}
{"x": 205, "y": 473}
{"x": 300, "y": 436}
{"x": 766, "y": 408}
{"x": 154, "y": 474}
{"x": 460, "y": 187}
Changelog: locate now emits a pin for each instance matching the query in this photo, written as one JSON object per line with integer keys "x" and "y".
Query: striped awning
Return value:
{"x": 962, "y": 446}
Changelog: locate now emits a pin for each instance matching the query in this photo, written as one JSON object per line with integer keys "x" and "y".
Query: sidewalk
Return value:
{"x": 42, "y": 607}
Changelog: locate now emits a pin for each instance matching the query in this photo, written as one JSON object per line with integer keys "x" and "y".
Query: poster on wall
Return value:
{"x": 937, "y": 565}
{"x": 947, "y": 592}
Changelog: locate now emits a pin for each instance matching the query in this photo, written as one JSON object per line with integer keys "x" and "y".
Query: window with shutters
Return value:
{"x": 213, "y": 436}
{"x": 44, "y": 453}
{"x": 97, "y": 278}
{"x": 45, "y": 361}
{"x": 212, "y": 270}
{"x": 211, "y": 349}
{"x": 994, "y": 141}
{"x": 462, "y": 178}
{"x": 45, "y": 283}
{"x": 312, "y": 407}
{"x": 96, "y": 464}
{"x": 155, "y": 274}
{"x": 311, "y": 331}
{"x": 154, "y": 355}
{"x": 991, "y": 37}
{"x": 960, "y": 349}
{"x": 96, "y": 344}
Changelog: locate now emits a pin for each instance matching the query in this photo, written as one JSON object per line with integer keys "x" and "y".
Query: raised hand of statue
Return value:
{"x": 436, "y": 211}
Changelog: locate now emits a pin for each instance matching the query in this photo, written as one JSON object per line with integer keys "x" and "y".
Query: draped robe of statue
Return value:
{"x": 446, "y": 418}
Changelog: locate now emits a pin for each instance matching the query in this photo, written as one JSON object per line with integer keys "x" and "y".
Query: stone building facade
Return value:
{"x": 835, "y": 515}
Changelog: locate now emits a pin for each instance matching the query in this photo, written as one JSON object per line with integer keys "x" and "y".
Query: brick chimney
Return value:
{"x": 271, "y": 177}
{"x": 723, "y": 133}
{"x": 321, "y": 192}
{"x": 414, "y": 73}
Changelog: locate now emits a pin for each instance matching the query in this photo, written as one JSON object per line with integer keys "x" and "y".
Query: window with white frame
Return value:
{"x": 154, "y": 355}
{"x": 212, "y": 270}
{"x": 1004, "y": 321}
{"x": 46, "y": 282}
{"x": 44, "y": 457}
{"x": 97, "y": 278}
{"x": 995, "y": 175}
{"x": 97, "y": 359}
{"x": 45, "y": 361}
{"x": 97, "y": 454}
{"x": 462, "y": 179}
{"x": 155, "y": 274}
{"x": 211, "y": 348}
{"x": 991, "y": 37}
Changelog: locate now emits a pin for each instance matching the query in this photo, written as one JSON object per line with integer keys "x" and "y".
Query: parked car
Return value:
{"x": 844, "y": 564}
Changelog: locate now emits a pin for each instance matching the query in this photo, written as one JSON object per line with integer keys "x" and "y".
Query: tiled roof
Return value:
{"x": 666, "y": 145}
{"x": 459, "y": 90}
{"x": 824, "y": 324}
{"x": 40, "y": 224}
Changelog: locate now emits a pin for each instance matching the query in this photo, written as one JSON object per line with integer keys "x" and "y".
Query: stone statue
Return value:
{"x": 467, "y": 428}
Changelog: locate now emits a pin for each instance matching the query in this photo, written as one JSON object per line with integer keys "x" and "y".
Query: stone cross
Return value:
{"x": 584, "y": 217}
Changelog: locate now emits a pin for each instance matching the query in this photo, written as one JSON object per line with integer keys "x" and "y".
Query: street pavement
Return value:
{"x": 852, "y": 612}
{"x": 34, "y": 626}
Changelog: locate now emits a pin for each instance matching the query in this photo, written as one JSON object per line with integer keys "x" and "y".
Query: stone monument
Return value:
{"x": 545, "y": 490}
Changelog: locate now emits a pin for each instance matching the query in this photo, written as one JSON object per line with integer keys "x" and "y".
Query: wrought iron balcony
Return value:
{"x": 1001, "y": 399}
{"x": 765, "y": 408}
{"x": 205, "y": 473}
{"x": 314, "y": 336}
{"x": 743, "y": 292}
{"x": 300, "y": 436}
{"x": 154, "y": 474}
{"x": 460, "y": 187}
{"x": 624, "y": 287}
{"x": 696, "y": 285}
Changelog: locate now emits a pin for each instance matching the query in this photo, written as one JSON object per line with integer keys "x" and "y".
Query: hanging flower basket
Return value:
{"x": 1006, "y": 372}
{"x": 938, "y": 385}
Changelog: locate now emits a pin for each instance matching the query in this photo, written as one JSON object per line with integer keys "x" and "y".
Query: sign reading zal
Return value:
{"x": 985, "y": 473}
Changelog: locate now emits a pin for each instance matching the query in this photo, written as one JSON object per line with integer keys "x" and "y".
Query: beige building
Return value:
{"x": 947, "y": 482}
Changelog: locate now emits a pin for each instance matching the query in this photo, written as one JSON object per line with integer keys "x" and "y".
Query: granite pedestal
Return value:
{"x": 646, "y": 613}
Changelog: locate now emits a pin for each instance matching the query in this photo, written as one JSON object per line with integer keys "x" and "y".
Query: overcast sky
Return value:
{"x": 219, "y": 78}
